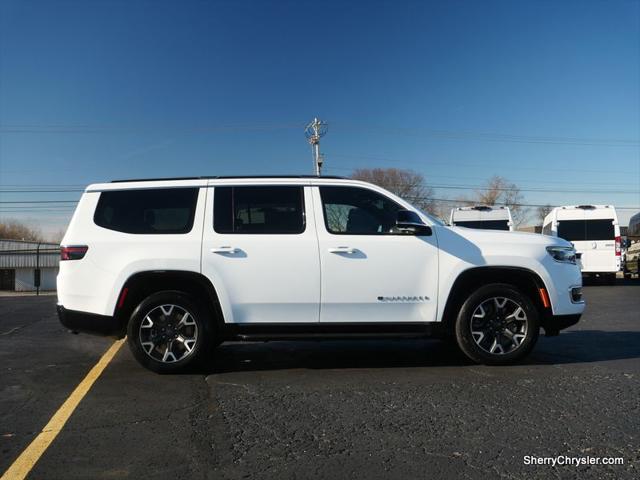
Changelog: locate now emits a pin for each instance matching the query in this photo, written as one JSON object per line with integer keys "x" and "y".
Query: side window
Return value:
{"x": 358, "y": 211}
{"x": 546, "y": 230}
{"x": 258, "y": 210}
{"x": 149, "y": 211}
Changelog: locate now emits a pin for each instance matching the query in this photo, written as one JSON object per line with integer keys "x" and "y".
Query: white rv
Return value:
{"x": 482, "y": 216}
{"x": 595, "y": 234}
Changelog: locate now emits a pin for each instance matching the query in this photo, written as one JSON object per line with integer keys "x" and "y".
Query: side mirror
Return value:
{"x": 409, "y": 223}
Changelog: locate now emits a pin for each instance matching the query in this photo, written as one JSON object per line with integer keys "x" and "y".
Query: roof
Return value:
{"x": 583, "y": 207}
{"x": 581, "y": 212}
{"x": 25, "y": 254}
{"x": 482, "y": 208}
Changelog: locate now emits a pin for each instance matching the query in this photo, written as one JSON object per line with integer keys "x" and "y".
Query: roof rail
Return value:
{"x": 157, "y": 179}
{"x": 222, "y": 177}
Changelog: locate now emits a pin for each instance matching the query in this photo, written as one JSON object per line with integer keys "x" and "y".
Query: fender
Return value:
{"x": 525, "y": 279}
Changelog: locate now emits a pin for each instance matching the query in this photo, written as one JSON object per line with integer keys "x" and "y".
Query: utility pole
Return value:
{"x": 314, "y": 131}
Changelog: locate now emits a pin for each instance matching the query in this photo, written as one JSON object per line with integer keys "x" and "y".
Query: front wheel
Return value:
{"x": 497, "y": 325}
{"x": 168, "y": 332}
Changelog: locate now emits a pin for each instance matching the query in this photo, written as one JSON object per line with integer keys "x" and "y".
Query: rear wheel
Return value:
{"x": 497, "y": 325}
{"x": 168, "y": 332}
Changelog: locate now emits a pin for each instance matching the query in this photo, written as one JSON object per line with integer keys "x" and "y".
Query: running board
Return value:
{"x": 329, "y": 331}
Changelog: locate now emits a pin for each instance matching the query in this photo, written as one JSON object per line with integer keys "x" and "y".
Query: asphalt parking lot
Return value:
{"x": 340, "y": 409}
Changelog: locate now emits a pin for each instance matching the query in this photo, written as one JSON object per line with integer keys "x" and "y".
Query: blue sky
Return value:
{"x": 545, "y": 93}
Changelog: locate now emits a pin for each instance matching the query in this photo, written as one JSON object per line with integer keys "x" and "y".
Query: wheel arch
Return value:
{"x": 526, "y": 280}
{"x": 142, "y": 284}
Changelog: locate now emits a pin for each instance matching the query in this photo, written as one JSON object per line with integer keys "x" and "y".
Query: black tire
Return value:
{"x": 610, "y": 279}
{"x": 485, "y": 296}
{"x": 199, "y": 331}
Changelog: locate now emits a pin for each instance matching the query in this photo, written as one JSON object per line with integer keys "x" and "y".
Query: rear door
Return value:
{"x": 260, "y": 251}
{"x": 594, "y": 238}
{"x": 601, "y": 237}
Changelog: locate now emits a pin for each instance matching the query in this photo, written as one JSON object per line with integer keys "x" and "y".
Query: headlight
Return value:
{"x": 563, "y": 254}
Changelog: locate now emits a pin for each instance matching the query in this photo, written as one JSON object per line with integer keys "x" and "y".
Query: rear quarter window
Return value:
{"x": 148, "y": 211}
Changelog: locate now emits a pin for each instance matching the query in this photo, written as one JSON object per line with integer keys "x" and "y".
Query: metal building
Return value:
{"x": 28, "y": 266}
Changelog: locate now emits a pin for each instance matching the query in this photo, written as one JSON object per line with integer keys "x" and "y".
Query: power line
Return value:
{"x": 474, "y": 187}
{"x": 517, "y": 180}
{"x": 58, "y": 128}
{"x": 39, "y": 201}
{"x": 515, "y": 188}
{"x": 441, "y": 186}
{"x": 450, "y": 200}
{"x": 39, "y": 191}
{"x": 23, "y": 188}
{"x": 373, "y": 129}
{"x": 491, "y": 136}
{"x": 458, "y": 164}
{"x": 41, "y": 185}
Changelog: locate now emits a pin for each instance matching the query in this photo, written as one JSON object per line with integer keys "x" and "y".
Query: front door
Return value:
{"x": 260, "y": 251}
{"x": 371, "y": 272}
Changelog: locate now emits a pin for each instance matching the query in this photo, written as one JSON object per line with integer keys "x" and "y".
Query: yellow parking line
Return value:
{"x": 28, "y": 458}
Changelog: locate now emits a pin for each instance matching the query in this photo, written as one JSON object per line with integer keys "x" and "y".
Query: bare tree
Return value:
{"x": 14, "y": 230}
{"x": 407, "y": 184}
{"x": 499, "y": 191}
{"x": 542, "y": 211}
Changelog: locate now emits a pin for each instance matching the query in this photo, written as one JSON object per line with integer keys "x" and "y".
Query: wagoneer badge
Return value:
{"x": 403, "y": 299}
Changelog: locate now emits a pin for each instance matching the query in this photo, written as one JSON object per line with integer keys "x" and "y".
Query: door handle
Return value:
{"x": 224, "y": 249}
{"x": 347, "y": 250}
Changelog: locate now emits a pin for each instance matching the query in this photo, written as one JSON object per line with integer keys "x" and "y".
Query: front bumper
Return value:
{"x": 552, "y": 324}
{"x": 90, "y": 323}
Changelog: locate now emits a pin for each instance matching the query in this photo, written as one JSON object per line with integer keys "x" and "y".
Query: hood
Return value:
{"x": 500, "y": 237}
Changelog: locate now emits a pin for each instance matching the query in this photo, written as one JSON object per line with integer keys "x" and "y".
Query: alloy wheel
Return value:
{"x": 499, "y": 325}
{"x": 168, "y": 333}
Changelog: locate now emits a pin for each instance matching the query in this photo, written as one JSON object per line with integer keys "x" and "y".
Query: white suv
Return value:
{"x": 181, "y": 265}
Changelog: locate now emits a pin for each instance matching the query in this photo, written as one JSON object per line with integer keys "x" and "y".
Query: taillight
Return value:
{"x": 75, "y": 252}
{"x": 618, "y": 246}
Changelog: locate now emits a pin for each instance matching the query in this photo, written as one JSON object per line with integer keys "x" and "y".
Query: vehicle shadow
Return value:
{"x": 597, "y": 282}
{"x": 577, "y": 346}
